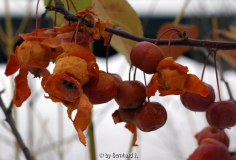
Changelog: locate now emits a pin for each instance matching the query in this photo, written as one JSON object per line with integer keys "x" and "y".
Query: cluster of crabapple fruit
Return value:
{"x": 212, "y": 144}
{"x": 131, "y": 95}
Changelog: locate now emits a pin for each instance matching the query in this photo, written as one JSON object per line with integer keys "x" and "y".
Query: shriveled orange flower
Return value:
{"x": 72, "y": 49}
{"x": 73, "y": 66}
{"x": 82, "y": 118}
{"x": 99, "y": 29}
{"x": 104, "y": 91}
{"x": 22, "y": 90}
{"x": 30, "y": 51}
{"x": 63, "y": 87}
{"x": 171, "y": 78}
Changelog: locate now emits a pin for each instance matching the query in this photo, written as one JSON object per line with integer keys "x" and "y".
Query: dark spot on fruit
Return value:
{"x": 69, "y": 85}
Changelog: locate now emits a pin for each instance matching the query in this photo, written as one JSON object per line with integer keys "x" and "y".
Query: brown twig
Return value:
{"x": 59, "y": 7}
{"x": 11, "y": 122}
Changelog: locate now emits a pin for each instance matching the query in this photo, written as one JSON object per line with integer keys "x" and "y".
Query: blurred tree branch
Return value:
{"x": 11, "y": 122}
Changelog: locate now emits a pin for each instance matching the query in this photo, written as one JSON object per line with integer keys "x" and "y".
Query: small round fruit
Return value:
{"x": 116, "y": 77}
{"x": 221, "y": 114}
{"x": 210, "y": 132}
{"x": 150, "y": 117}
{"x": 210, "y": 149}
{"x": 146, "y": 56}
{"x": 130, "y": 94}
{"x": 196, "y": 102}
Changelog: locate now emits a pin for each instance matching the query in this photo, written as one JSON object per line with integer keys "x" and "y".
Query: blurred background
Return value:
{"x": 44, "y": 125}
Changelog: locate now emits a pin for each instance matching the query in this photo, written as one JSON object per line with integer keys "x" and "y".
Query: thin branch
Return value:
{"x": 186, "y": 42}
{"x": 11, "y": 122}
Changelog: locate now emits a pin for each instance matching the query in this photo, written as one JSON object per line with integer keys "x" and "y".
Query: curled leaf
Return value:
{"x": 72, "y": 49}
{"x": 22, "y": 91}
{"x": 12, "y": 65}
{"x": 63, "y": 87}
{"x": 82, "y": 117}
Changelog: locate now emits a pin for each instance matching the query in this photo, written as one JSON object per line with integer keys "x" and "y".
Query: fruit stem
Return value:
{"x": 36, "y": 31}
{"x": 178, "y": 33}
{"x": 74, "y": 6}
{"x": 172, "y": 29}
{"x": 107, "y": 53}
{"x": 135, "y": 72}
{"x": 68, "y": 9}
{"x": 77, "y": 28}
{"x": 214, "y": 53}
{"x": 145, "y": 82}
{"x": 130, "y": 70}
{"x": 205, "y": 64}
{"x": 55, "y": 19}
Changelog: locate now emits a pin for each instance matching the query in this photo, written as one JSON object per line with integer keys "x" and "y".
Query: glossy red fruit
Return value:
{"x": 127, "y": 115}
{"x": 130, "y": 94}
{"x": 221, "y": 114}
{"x": 216, "y": 134}
{"x": 233, "y": 157}
{"x": 146, "y": 56}
{"x": 150, "y": 117}
{"x": 195, "y": 102}
{"x": 210, "y": 149}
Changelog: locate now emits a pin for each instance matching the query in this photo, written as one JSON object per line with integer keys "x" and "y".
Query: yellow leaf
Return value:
{"x": 79, "y": 4}
{"x": 231, "y": 33}
{"x": 120, "y": 13}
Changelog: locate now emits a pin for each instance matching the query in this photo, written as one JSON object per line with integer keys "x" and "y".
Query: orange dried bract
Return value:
{"x": 133, "y": 129}
{"x": 70, "y": 107}
{"x": 30, "y": 51}
{"x": 53, "y": 98}
{"x": 55, "y": 53}
{"x": 72, "y": 49}
{"x": 82, "y": 117}
{"x": 99, "y": 29}
{"x": 66, "y": 38}
{"x": 73, "y": 66}
{"x": 12, "y": 65}
{"x": 87, "y": 10}
{"x": 176, "y": 51}
{"x": 172, "y": 79}
{"x": 152, "y": 86}
{"x": 116, "y": 117}
{"x": 63, "y": 87}
{"x": 42, "y": 34}
{"x": 104, "y": 91}
{"x": 22, "y": 88}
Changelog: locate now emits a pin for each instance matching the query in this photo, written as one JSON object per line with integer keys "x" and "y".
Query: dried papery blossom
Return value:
{"x": 93, "y": 70}
{"x": 82, "y": 117}
{"x": 87, "y": 10}
{"x": 30, "y": 51}
{"x": 99, "y": 29}
{"x": 55, "y": 53}
{"x": 63, "y": 87}
{"x": 176, "y": 51}
{"x": 72, "y": 49}
{"x": 22, "y": 91}
{"x": 172, "y": 79}
{"x": 42, "y": 34}
{"x": 73, "y": 66}
{"x": 56, "y": 42}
